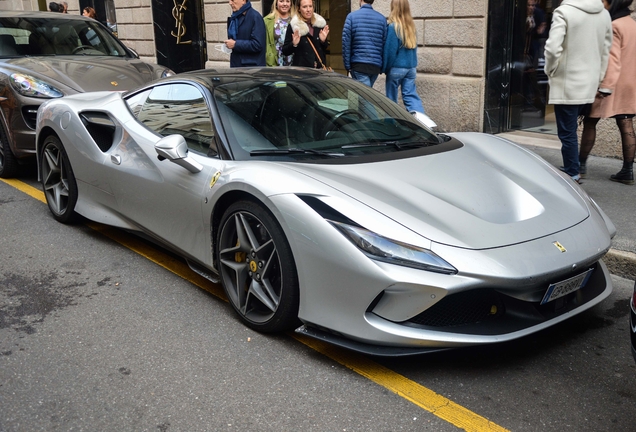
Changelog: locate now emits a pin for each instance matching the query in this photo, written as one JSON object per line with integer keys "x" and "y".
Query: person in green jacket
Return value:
{"x": 276, "y": 24}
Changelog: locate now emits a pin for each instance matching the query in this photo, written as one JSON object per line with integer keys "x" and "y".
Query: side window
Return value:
{"x": 177, "y": 109}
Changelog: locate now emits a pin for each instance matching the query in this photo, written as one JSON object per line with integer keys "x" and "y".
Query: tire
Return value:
{"x": 58, "y": 180}
{"x": 9, "y": 166}
{"x": 257, "y": 268}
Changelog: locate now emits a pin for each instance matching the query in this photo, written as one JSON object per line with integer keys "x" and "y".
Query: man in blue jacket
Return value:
{"x": 363, "y": 40}
{"x": 246, "y": 35}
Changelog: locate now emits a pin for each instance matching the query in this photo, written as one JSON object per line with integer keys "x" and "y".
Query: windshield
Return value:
{"x": 315, "y": 117}
{"x": 21, "y": 37}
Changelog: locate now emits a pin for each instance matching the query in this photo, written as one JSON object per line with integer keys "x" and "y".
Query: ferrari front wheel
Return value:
{"x": 58, "y": 181}
{"x": 257, "y": 268}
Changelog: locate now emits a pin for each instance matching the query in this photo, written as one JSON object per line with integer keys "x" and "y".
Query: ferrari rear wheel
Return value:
{"x": 8, "y": 163}
{"x": 58, "y": 181}
{"x": 257, "y": 268}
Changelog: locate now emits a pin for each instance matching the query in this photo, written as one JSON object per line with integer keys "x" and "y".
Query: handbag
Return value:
{"x": 329, "y": 69}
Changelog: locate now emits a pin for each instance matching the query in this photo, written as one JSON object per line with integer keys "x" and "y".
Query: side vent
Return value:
{"x": 326, "y": 211}
{"x": 101, "y": 128}
{"x": 29, "y": 114}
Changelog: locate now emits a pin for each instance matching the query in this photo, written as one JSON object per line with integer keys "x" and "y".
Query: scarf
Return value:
{"x": 232, "y": 30}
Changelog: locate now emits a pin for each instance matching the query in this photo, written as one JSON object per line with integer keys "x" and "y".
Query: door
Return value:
{"x": 516, "y": 86}
{"x": 161, "y": 196}
{"x": 179, "y": 27}
{"x": 105, "y": 11}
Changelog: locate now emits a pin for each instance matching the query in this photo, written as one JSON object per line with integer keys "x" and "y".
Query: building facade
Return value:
{"x": 479, "y": 61}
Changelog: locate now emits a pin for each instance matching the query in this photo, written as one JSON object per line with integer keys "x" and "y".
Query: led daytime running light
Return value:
{"x": 391, "y": 251}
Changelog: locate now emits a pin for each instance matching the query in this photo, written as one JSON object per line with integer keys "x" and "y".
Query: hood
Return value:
{"x": 489, "y": 193}
{"x": 85, "y": 73}
{"x": 589, "y": 6}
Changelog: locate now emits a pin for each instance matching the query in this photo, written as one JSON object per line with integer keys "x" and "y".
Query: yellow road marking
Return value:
{"x": 417, "y": 394}
{"x": 27, "y": 189}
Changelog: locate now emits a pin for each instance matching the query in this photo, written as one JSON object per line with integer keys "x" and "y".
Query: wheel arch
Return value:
{"x": 42, "y": 135}
{"x": 224, "y": 202}
{"x": 221, "y": 205}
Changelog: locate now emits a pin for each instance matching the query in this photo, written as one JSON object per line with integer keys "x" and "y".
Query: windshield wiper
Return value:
{"x": 273, "y": 152}
{"x": 396, "y": 144}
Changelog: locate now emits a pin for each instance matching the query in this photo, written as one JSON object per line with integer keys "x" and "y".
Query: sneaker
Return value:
{"x": 624, "y": 176}
{"x": 577, "y": 179}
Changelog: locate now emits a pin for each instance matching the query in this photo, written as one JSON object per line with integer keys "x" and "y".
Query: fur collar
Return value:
{"x": 299, "y": 24}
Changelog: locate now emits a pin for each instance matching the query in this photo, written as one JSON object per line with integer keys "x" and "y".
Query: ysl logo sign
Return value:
{"x": 177, "y": 13}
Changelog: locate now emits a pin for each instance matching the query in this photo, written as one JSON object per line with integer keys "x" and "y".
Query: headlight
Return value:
{"x": 28, "y": 86}
{"x": 391, "y": 251}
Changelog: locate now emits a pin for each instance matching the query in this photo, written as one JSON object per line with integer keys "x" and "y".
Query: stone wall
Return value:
{"x": 135, "y": 29}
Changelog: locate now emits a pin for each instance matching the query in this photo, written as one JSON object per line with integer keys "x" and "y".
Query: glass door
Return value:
{"x": 516, "y": 84}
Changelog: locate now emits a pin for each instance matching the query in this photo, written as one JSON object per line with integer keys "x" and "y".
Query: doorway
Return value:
{"x": 105, "y": 11}
{"x": 516, "y": 85}
{"x": 179, "y": 27}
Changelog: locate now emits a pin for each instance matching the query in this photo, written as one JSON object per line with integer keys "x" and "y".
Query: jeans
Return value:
{"x": 364, "y": 78}
{"x": 566, "y": 119}
{"x": 404, "y": 77}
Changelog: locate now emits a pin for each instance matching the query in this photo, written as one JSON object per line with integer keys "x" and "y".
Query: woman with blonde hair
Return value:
{"x": 306, "y": 37}
{"x": 276, "y": 24}
{"x": 400, "y": 56}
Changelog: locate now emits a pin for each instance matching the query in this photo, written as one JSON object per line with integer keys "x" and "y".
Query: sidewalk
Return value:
{"x": 617, "y": 200}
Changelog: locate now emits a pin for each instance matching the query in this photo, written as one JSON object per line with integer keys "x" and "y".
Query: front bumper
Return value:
{"x": 372, "y": 307}
{"x": 20, "y": 114}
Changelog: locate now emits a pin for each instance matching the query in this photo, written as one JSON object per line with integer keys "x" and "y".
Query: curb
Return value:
{"x": 621, "y": 263}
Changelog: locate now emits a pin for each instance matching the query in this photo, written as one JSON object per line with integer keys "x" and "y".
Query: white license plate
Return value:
{"x": 566, "y": 287}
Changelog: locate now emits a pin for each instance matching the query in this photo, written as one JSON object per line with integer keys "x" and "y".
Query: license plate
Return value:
{"x": 566, "y": 287}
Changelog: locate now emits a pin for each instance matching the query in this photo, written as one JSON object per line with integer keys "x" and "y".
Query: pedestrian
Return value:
{"x": 306, "y": 37}
{"x": 55, "y": 7}
{"x": 246, "y": 35}
{"x": 400, "y": 56}
{"x": 617, "y": 94}
{"x": 363, "y": 38}
{"x": 64, "y": 8}
{"x": 89, "y": 12}
{"x": 276, "y": 24}
{"x": 576, "y": 57}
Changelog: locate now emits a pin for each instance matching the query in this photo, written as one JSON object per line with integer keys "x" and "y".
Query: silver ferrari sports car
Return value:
{"x": 322, "y": 206}
{"x": 45, "y": 55}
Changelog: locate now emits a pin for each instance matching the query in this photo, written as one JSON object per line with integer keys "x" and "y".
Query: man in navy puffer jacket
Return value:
{"x": 363, "y": 40}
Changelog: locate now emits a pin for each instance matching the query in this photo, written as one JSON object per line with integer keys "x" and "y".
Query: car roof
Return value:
{"x": 217, "y": 76}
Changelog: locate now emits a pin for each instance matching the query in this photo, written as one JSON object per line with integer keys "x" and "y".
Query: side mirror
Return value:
{"x": 134, "y": 53}
{"x": 175, "y": 149}
{"x": 425, "y": 120}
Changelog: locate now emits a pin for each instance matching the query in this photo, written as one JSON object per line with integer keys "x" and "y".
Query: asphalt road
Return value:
{"x": 96, "y": 336}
